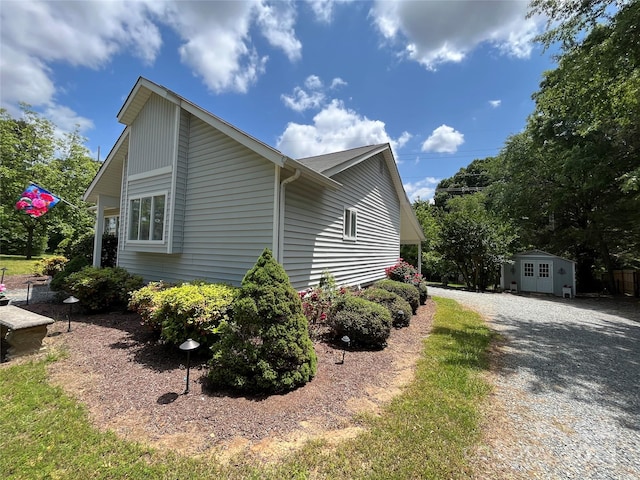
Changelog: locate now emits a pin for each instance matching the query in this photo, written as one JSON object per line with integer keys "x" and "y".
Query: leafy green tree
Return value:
{"x": 475, "y": 240}
{"x": 30, "y": 151}
{"x": 470, "y": 179}
{"x": 570, "y": 180}
{"x": 266, "y": 348}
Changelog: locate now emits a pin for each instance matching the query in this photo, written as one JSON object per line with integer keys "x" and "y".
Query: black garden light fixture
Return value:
{"x": 188, "y": 346}
{"x": 70, "y": 301}
{"x": 346, "y": 341}
{"x": 4, "y": 269}
{"x": 28, "y": 282}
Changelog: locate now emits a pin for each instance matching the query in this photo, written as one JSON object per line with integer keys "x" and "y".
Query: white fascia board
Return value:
{"x": 312, "y": 174}
{"x": 124, "y": 136}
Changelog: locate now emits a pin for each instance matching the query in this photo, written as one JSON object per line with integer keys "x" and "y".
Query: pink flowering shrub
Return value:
{"x": 407, "y": 273}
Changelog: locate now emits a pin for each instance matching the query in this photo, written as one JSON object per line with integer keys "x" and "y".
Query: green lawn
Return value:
{"x": 18, "y": 265}
{"x": 425, "y": 432}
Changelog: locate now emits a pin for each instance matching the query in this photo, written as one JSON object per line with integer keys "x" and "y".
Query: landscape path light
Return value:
{"x": 346, "y": 341}
{"x": 70, "y": 301}
{"x": 28, "y": 282}
{"x": 188, "y": 346}
{"x": 4, "y": 269}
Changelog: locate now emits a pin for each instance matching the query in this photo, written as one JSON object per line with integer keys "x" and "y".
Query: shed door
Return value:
{"x": 537, "y": 276}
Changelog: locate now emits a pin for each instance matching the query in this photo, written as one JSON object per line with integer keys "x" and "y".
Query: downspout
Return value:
{"x": 283, "y": 184}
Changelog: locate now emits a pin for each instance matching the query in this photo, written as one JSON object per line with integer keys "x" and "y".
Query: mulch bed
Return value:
{"x": 133, "y": 385}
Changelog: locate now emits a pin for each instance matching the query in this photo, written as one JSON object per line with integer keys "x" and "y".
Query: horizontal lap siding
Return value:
{"x": 314, "y": 227}
{"x": 228, "y": 214}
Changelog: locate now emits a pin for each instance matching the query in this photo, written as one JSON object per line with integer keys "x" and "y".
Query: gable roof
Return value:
{"x": 328, "y": 163}
{"x": 319, "y": 169}
{"x": 331, "y": 164}
{"x": 536, "y": 252}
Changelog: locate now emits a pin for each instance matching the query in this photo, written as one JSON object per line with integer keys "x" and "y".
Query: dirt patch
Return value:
{"x": 133, "y": 385}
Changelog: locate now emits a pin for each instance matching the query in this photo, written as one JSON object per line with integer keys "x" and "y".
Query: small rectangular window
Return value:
{"x": 146, "y": 218}
{"x": 350, "y": 230}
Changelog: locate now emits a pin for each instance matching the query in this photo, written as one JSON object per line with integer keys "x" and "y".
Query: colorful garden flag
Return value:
{"x": 36, "y": 201}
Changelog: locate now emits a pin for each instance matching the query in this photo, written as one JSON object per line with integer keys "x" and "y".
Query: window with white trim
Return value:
{"x": 111, "y": 225}
{"x": 350, "y": 230}
{"x": 147, "y": 218}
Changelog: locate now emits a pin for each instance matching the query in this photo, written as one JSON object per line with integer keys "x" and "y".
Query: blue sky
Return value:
{"x": 445, "y": 82}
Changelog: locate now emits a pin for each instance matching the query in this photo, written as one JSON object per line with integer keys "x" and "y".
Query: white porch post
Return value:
{"x": 420, "y": 257}
{"x": 97, "y": 241}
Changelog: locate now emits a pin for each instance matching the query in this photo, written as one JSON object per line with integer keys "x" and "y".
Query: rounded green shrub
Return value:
{"x": 398, "y": 307}
{"x": 101, "y": 289}
{"x": 366, "y": 323}
{"x": 59, "y": 280}
{"x": 405, "y": 290}
{"x": 266, "y": 346}
{"x": 422, "y": 291}
{"x": 51, "y": 265}
{"x": 184, "y": 311}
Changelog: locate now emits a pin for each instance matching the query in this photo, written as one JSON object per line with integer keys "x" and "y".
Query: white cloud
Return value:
{"x": 432, "y": 33}
{"x": 323, "y": 9}
{"x": 443, "y": 139}
{"x": 337, "y": 82}
{"x": 300, "y": 100}
{"x": 495, "y": 103}
{"x": 313, "y": 97}
{"x": 423, "y": 189}
{"x": 66, "y": 119}
{"x": 276, "y": 21}
{"x": 313, "y": 82}
{"x": 216, "y": 42}
{"x": 335, "y": 128}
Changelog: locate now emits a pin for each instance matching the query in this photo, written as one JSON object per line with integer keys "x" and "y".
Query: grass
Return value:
{"x": 18, "y": 265}
{"x": 426, "y": 432}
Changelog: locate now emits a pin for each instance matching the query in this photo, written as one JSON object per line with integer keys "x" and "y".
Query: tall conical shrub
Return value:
{"x": 266, "y": 347}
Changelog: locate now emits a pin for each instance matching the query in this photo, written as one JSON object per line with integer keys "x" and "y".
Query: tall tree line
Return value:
{"x": 569, "y": 183}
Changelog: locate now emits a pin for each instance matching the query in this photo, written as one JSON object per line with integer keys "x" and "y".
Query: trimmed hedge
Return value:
{"x": 191, "y": 310}
{"x": 100, "y": 289}
{"x": 405, "y": 290}
{"x": 366, "y": 323}
{"x": 392, "y": 302}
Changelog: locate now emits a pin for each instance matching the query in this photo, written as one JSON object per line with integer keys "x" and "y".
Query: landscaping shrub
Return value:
{"x": 83, "y": 247}
{"x": 145, "y": 302}
{"x": 190, "y": 310}
{"x": 59, "y": 280}
{"x": 405, "y": 290}
{"x": 266, "y": 347}
{"x": 366, "y": 323}
{"x": 316, "y": 302}
{"x": 392, "y": 302}
{"x": 100, "y": 289}
{"x": 50, "y": 266}
{"x": 407, "y": 273}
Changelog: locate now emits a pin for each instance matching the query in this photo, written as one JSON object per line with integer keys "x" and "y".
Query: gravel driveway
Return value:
{"x": 567, "y": 398}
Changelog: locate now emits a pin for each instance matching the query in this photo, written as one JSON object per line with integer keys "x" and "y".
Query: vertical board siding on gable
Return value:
{"x": 151, "y": 145}
{"x": 314, "y": 228}
{"x": 228, "y": 216}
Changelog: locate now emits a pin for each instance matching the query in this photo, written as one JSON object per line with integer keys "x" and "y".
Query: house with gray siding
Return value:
{"x": 196, "y": 198}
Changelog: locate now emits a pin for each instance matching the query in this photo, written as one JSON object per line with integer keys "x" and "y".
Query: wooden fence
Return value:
{"x": 627, "y": 282}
